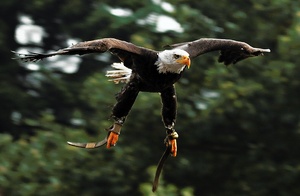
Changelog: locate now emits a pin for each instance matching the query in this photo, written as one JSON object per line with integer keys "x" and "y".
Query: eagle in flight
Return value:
{"x": 147, "y": 70}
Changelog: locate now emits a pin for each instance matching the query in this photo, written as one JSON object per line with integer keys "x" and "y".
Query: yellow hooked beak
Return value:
{"x": 184, "y": 60}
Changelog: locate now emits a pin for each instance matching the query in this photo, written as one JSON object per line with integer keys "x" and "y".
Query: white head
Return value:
{"x": 173, "y": 61}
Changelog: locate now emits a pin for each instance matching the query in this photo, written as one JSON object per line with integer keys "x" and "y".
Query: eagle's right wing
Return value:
{"x": 120, "y": 48}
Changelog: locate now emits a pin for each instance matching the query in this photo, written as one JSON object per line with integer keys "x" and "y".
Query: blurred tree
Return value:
{"x": 238, "y": 126}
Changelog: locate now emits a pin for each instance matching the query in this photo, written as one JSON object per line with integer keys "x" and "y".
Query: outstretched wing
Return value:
{"x": 231, "y": 51}
{"x": 120, "y": 48}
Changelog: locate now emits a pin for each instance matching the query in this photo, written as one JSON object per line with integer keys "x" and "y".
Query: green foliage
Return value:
{"x": 238, "y": 125}
{"x": 170, "y": 189}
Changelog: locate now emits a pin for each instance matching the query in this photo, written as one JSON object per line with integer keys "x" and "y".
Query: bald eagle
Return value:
{"x": 147, "y": 70}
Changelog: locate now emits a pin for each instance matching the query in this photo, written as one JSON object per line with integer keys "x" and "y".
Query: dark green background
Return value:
{"x": 239, "y": 125}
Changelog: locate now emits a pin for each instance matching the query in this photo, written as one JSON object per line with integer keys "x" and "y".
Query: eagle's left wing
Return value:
{"x": 231, "y": 51}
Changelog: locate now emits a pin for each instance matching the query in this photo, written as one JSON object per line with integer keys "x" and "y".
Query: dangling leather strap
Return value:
{"x": 172, "y": 134}
{"x": 161, "y": 165}
{"x": 116, "y": 128}
{"x": 89, "y": 144}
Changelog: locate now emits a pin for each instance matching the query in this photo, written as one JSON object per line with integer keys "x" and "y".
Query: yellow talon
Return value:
{"x": 173, "y": 144}
{"x": 113, "y": 136}
{"x": 112, "y": 139}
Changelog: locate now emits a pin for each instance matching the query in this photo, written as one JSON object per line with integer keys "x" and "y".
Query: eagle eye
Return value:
{"x": 176, "y": 56}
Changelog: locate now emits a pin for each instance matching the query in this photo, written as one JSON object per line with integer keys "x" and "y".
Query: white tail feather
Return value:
{"x": 120, "y": 74}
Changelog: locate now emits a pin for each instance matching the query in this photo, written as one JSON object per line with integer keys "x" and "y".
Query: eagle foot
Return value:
{"x": 170, "y": 140}
{"x": 113, "y": 135}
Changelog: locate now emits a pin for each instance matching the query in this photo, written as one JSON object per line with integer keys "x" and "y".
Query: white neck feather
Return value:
{"x": 165, "y": 63}
{"x": 164, "y": 68}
